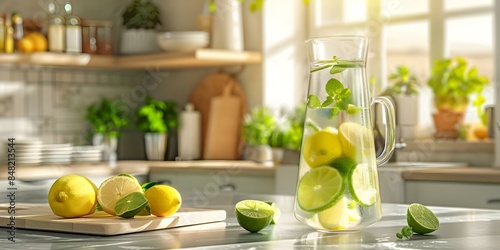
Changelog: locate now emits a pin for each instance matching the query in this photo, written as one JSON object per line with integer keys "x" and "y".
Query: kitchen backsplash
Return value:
{"x": 50, "y": 103}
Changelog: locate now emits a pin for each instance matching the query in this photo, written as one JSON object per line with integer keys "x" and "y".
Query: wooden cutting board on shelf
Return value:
{"x": 40, "y": 217}
{"x": 223, "y": 128}
{"x": 212, "y": 86}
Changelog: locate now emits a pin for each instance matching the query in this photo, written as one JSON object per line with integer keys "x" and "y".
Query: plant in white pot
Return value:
{"x": 257, "y": 128}
{"x": 156, "y": 119}
{"x": 140, "y": 20}
{"x": 404, "y": 90}
{"x": 106, "y": 120}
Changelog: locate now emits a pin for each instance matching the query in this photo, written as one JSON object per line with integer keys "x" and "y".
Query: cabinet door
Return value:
{"x": 211, "y": 184}
{"x": 474, "y": 195}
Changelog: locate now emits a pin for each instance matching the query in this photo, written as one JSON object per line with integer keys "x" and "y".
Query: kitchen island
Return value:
{"x": 460, "y": 229}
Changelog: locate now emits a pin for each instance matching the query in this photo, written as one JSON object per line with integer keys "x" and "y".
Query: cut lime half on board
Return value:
{"x": 421, "y": 219}
{"x": 319, "y": 189}
{"x": 131, "y": 205}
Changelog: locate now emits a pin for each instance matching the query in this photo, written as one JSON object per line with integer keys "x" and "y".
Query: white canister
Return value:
{"x": 227, "y": 25}
{"x": 189, "y": 134}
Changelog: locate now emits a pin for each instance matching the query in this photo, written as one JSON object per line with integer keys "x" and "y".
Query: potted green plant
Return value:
{"x": 405, "y": 93}
{"x": 106, "y": 120}
{"x": 258, "y": 126}
{"x": 157, "y": 119}
{"x": 453, "y": 82}
{"x": 140, "y": 20}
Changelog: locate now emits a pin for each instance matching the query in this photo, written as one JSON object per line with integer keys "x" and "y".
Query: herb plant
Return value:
{"x": 403, "y": 81}
{"x": 107, "y": 118}
{"x": 157, "y": 116}
{"x": 296, "y": 128}
{"x": 258, "y": 126}
{"x": 453, "y": 81}
{"x": 141, "y": 15}
{"x": 339, "y": 97}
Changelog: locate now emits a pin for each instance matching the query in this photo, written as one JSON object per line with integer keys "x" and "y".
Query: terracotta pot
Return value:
{"x": 446, "y": 123}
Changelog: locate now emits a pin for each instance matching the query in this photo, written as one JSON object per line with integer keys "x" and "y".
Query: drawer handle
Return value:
{"x": 493, "y": 201}
{"x": 164, "y": 182}
{"x": 227, "y": 187}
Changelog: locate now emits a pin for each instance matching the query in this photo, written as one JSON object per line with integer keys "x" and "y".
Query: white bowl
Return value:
{"x": 182, "y": 40}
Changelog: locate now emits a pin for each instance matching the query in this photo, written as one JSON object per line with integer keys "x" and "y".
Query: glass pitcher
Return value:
{"x": 337, "y": 187}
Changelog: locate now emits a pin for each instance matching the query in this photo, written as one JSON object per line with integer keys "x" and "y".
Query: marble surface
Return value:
{"x": 460, "y": 229}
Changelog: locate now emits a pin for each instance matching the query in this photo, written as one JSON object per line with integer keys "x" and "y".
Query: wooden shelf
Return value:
{"x": 164, "y": 60}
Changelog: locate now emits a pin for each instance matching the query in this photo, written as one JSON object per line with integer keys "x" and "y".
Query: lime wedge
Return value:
{"x": 356, "y": 140}
{"x": 253, "y": 215}
{"x": 361, "y": 185}
{"x": 145, "y": 212}
{"x": 277, "y": 212}
{"x": 336, "y": 217}
{"x": 319, "y": 189}
{"x": 421, "y": 219}
{"x": 343, "y": 164}
{"x": 130, "y": 205}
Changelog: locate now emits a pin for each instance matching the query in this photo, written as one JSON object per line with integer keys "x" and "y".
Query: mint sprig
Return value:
{"x": 406, "y": 232}
{"x": 339, "y": 97}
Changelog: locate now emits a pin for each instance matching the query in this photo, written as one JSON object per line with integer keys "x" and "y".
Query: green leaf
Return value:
{"x": 333, "y": 87}
{"x": 336, "y": 69}
{"x": 313, "y": 102}
{"x": 327, "y": 102}
{"x": 352, "y": 110}
{"x": 334, "y": 111}
{"x": 147, "y": 185}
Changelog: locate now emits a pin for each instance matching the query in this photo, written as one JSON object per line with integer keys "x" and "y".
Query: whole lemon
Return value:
{"x": 39, "y": 41}
{"x": 164, "y": 200}
{"x": 72, "y": 196}
{"x": 321, "y": 147}
{"x": 26, "y": 45}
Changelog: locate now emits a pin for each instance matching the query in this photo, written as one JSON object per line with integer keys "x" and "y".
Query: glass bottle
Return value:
{"x": 56, "y": 32}
{"x": 18, "y": 30}
{"x": 9, "y": 35}
{"x": 337, "y": 187}
{"x": 73, "y": 31}
{"x": 2, "y": 34}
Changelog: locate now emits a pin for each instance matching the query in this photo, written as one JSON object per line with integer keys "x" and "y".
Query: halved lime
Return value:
{"x": 343, "y": 164}
{"x": 130, "y": 205}
{"x": 356, "y": 140}
{"x": 362, "y": 185}
{"x": 319, "y": 189}
{"x": 421, "y": 219}
{"x": 277, "y": 212}
{"x": 145, "y": 212}
{"x": 336, "y": 217}
{"x": 253, "y": 215}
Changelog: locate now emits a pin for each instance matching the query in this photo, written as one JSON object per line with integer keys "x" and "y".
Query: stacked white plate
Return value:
{"x": 28, "y": 151}
{"x": 56, "y": 154}
{"x": 182, "y": 40}
{"x": 86, "y": 154}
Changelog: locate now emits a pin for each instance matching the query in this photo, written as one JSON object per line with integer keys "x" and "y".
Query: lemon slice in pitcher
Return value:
{"x": 321, "y": 147}
{"x": 356, "y": 140}
{"x": 319, "y": 189}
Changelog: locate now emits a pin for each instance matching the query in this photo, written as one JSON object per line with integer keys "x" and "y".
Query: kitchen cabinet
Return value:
{"x": 163, "y": 60}
{"x": 456, "y": 194}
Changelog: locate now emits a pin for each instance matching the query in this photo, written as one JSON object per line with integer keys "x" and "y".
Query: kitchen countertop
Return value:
{"x": 460, "y": 229}
{"x": 36, "y": 172}
{"x": 454, "y": 174}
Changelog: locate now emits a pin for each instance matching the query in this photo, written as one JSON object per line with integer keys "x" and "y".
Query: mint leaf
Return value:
{"x": 313, "y": 101}
{"x": 336, "y": 69}
{"x": 341, "y": 105}
{"x": 334, "y": 112}
{"x": 327, "y": 102}
{"x": 333, "y": 87}
{"x": 345, "y": 93}
{"x": 352, "y": 110}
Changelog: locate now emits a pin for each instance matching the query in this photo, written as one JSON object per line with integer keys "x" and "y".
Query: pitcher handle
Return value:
{"x": 390, "y": 139}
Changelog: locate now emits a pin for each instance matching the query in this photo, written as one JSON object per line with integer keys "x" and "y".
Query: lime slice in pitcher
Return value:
{"x": 319, "y": 189}
{"x": 361, "y": 185}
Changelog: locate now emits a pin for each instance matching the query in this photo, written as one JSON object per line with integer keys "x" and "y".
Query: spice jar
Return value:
{"x": 89, "y": 37}
{"x": 104, "y": 38}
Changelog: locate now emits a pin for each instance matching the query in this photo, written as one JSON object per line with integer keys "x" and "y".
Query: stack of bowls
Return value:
{"x": 183, "y": 41}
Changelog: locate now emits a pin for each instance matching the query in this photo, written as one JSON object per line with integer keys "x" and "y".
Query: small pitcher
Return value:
{"x": 337, "y": 187}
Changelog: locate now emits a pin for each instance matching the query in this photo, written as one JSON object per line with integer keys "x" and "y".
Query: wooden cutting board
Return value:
{"x": 211, "y": 87}
{"x": 41, "y": 218}
{"x": 223, "y": 128}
